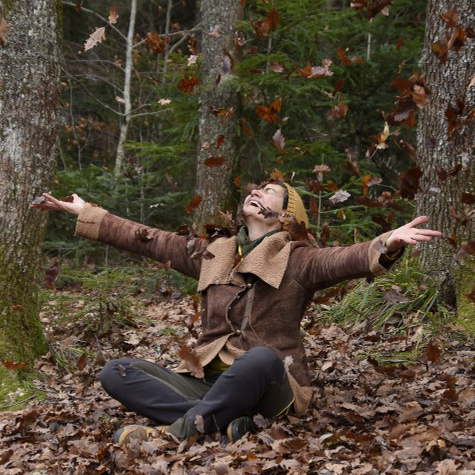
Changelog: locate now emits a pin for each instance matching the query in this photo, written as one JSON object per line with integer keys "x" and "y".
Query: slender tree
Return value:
{"x": 446, "y": 138}
{"x": 217, "y": 123}
{"x": 29, "y": 82}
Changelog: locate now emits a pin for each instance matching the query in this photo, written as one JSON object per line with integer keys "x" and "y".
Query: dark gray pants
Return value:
{"x": 255, "y": 384}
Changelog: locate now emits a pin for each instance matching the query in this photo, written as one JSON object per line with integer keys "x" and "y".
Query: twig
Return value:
{"x": 98, "y": 16}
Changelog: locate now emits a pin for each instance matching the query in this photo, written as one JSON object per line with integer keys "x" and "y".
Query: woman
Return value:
{"x": 255, "y": 288}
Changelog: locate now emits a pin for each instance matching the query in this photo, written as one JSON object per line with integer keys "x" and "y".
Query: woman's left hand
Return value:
{"x": 410, "y": 234}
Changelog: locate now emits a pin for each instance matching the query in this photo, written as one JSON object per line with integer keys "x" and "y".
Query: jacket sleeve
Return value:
{"x": 316, "y": 268}
{"x": 97, "y": 224}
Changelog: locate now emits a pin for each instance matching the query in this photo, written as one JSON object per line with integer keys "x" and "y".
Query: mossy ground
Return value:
{"x": 16, "y": 390}
{"x": 466, "y": 283}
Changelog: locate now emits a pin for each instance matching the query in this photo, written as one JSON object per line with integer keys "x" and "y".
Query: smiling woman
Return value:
{"x": 255, "y": 289}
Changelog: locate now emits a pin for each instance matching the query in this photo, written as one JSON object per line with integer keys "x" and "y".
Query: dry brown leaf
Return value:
{"x": 113, "y": 16}
{"x": 97, "y": 36}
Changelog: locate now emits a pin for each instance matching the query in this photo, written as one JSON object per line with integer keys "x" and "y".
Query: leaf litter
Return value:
{"x": 366, "y": 418}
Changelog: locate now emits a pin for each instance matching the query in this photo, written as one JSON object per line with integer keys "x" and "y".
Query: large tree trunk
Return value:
{"x": 447, "y": 155}
{"x": 218, "y": 94}
{"x": 29, "y": 81}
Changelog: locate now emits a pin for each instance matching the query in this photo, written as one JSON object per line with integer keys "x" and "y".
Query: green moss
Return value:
{"x": 8, "y": 6}
{"x": 16, "y": 390}
{"x": 465, "y": 284}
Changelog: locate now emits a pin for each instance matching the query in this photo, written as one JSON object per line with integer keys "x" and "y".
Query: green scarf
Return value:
{"x": 245, "y": 246}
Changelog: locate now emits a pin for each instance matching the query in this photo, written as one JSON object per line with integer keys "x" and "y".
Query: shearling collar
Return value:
{"x": 268, "y": 261}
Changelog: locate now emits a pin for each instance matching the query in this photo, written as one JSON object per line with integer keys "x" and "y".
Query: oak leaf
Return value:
{"x": 97, "y": 36}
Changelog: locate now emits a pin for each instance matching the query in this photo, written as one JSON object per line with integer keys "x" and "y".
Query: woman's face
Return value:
{"x": 270, "y": 196}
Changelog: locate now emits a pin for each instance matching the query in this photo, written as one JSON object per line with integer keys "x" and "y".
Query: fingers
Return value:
{"x": 417, "y": 221}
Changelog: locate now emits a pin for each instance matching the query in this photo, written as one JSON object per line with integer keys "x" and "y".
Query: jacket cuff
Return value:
{"x": 89, "y": 221}
{"x": 376, "y": 250}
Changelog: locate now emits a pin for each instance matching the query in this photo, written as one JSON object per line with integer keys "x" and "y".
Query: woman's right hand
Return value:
{"x": 50, "y": 203}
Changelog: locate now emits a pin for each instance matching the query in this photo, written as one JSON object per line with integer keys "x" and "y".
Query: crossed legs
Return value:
{"x": 255, "y": 384}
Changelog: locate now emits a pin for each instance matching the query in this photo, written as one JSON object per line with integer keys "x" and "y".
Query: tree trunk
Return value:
{"x": 446, "y": 152}
{"x": 29, "y": 86}
{"x": 218, "y": 94}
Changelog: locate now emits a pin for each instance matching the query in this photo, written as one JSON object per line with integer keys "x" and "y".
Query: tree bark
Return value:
{"x": 29, "y": 87}
{"x": 447, "y": 158}
{"x": 218, "y": 93}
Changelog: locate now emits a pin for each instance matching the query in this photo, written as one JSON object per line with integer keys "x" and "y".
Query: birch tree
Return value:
{"x": 29, "y": 78}
{"x": 446, "y": 138}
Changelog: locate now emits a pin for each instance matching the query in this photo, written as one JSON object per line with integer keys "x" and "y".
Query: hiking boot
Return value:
{"x": 239, "y": 427}
{"x": 136, "y": 432}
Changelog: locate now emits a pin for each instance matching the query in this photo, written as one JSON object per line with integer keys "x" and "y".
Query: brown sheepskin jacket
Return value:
{"x": 258, "y": 302}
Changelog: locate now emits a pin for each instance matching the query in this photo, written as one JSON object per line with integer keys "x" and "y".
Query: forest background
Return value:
{"x": 170, "y": 111}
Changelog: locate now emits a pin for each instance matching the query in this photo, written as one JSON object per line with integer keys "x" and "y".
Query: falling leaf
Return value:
{"x": 273, "y": 18}
{"x": 98, "y": 36}
{"x": 81, "y": 364}
{"x": 120, "y": 99}
{"x": 199, "y": 423}
{"x": 143, "y": 234}
{"x": 194, "y": 203}
{"x": 338, "y": 111}
{"x": 399, "y": 44}
{"x": 38, "y": 200}
{"x": 15, "y": 307}
{"x": 441, "y": 49}
{"x": 451, "y": 17}
{"x": 339, "y": 197}
{"x": 339, "y": 85}
{"x": 279, "y": 140}
{"x": 246, "y": 128}
{"x": 237, "y": 181}
{"x": 270, "y": 113}
{"x": 410, "y": 149}
{"x": 471, "y": 295}
{"x": 155, "y": 42}
{"x": 214, "y": 161}
{"x": 220, "y": 141}
{"x": 276, "y": 67}
{"x": 261, "y": 27}
{"x": 11, "y": 365}
{"x": 3, "y": 30}
{"x": 113, "y": 16}
{"x": 188, "y": 84}
{"x": 433, "y": 352}
{"x": 192, "y": 362}
{"x": 410, "y": 183}
{"x": 468, "y": 198}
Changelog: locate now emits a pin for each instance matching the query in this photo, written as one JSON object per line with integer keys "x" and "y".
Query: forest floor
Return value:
{"x": 414, "y": 418}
